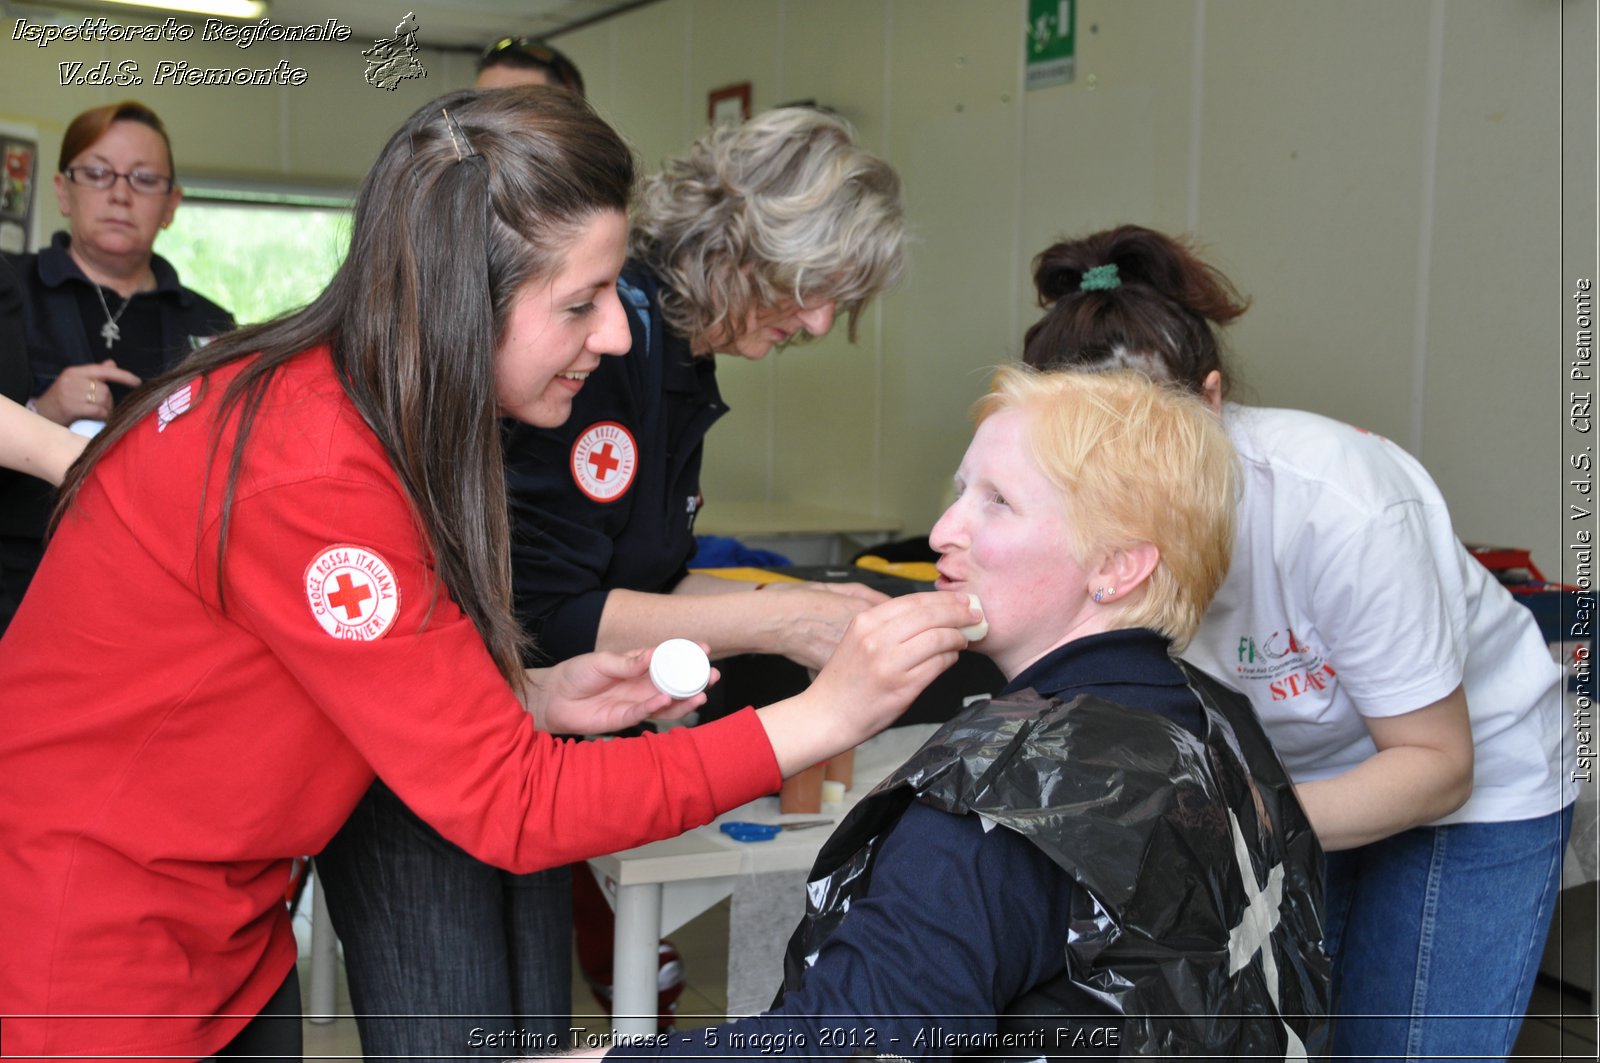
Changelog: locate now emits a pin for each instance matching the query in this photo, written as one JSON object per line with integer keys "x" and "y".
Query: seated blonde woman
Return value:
{"x": 1108, "y": 857}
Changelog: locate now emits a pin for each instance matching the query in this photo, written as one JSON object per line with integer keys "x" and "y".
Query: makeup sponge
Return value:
{"x": 975, "y": 632}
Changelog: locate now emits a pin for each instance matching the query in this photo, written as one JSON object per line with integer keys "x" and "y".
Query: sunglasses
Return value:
{"x": 563, "y": 69}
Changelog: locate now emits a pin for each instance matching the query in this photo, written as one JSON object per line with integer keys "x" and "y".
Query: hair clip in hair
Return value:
{"x": 458, "y": 136}
{"x": 1100, "y": 278}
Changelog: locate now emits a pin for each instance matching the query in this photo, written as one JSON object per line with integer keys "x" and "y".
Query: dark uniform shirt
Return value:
{"x": 64, "y": 318}
{"x": 16, "y": 379}
{"x": 609, "y": 499}
{"x": 959, "y": 920}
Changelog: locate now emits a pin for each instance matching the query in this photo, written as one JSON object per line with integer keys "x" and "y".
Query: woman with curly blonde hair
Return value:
{"x": 782, "y": 217}
{"x": 758, "y": 237}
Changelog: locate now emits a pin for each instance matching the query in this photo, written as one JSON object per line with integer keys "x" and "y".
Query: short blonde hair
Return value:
{"x": 785, "y": 206}
{"x": 1136, "y": 462}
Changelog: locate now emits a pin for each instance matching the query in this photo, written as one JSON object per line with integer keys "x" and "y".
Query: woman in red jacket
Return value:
{"x": 283, "y": 568}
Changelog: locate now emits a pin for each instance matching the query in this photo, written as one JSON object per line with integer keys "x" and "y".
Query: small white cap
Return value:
{"x": 832, "y": 791}
{"x": 680, "y": 669}
{"x": 975, "y": 632}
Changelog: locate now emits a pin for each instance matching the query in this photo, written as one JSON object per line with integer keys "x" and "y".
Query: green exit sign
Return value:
{"x": 1052, "y": 42}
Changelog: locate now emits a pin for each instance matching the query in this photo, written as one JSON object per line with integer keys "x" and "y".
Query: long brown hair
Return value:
{"x": 476, "y": 195}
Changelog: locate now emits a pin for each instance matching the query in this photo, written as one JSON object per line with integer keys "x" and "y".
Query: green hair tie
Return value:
{"x": 1100, "y": 279}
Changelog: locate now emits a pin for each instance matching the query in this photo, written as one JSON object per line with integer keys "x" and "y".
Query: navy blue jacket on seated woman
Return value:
{"x": 1071, "y": 869}
{"x": 1107, "y": 858}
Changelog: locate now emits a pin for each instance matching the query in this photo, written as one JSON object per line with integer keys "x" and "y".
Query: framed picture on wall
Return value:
{"x": 729, "y": 105}
{"x": 18, "y": 176}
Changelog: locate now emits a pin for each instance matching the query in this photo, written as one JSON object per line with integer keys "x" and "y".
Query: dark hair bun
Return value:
{"x": 1144, "y": 257}
{"x": 1158, "y": 314}
{"x": 1059, "y": 271}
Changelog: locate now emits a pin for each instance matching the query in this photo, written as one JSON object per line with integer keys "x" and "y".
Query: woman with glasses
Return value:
{"x": 104, "y": 311}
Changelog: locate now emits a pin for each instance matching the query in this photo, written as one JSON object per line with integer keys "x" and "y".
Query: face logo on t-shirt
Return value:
{"x": 352, "y": 593}
{"x": 604, "y": 460}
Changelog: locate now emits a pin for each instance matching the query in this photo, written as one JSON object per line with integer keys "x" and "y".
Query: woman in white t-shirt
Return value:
{"x": 1414, "y": 701}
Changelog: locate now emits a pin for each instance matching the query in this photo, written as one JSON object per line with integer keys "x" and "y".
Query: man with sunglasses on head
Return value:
{"x": 512, "y": 61}
{"x": 103, "y": 310}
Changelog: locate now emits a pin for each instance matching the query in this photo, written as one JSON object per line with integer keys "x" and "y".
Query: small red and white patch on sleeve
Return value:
{"x": 604, "y": 460}
{"x": 352, "y": 592}
{"x": 177, "y": 403}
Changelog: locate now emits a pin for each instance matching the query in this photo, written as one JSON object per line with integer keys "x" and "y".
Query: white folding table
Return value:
{"x": 657, "y": 888}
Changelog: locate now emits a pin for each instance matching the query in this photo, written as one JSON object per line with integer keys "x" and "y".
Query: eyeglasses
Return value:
{"x": 103, "y": 177}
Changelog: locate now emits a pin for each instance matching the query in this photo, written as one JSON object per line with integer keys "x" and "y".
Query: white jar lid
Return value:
{"x": 679, "y": 668}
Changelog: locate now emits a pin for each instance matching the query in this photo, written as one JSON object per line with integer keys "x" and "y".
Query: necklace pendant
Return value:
{"x": 111, "y": 333}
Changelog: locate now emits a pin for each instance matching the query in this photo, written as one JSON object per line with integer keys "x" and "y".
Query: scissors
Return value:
{"x": 741, "y": 831}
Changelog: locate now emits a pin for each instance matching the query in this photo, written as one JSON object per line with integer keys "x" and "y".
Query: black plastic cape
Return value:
{"x": 1189, "y": 855}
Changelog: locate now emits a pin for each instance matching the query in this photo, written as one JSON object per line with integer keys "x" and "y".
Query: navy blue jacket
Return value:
{"x": 58, "y": 336}
{"x": 16, "y": 379}
{"x": 959, "y": 921}
{"x": 608, "y": 500}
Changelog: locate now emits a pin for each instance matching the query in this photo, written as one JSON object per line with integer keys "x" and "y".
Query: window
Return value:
{"x": 257, "y": 253}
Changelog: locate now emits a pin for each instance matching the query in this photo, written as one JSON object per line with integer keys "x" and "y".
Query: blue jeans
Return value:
{"x": 441, "y": 950}
{"x": 1436, "y": 935}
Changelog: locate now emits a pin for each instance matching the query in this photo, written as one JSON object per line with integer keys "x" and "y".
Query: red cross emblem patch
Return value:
{"x": 352, "y": 593}
{"x": 604, "y": 460}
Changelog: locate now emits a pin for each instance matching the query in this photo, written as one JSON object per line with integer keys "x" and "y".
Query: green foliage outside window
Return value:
{"x": 257, "y": 261}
